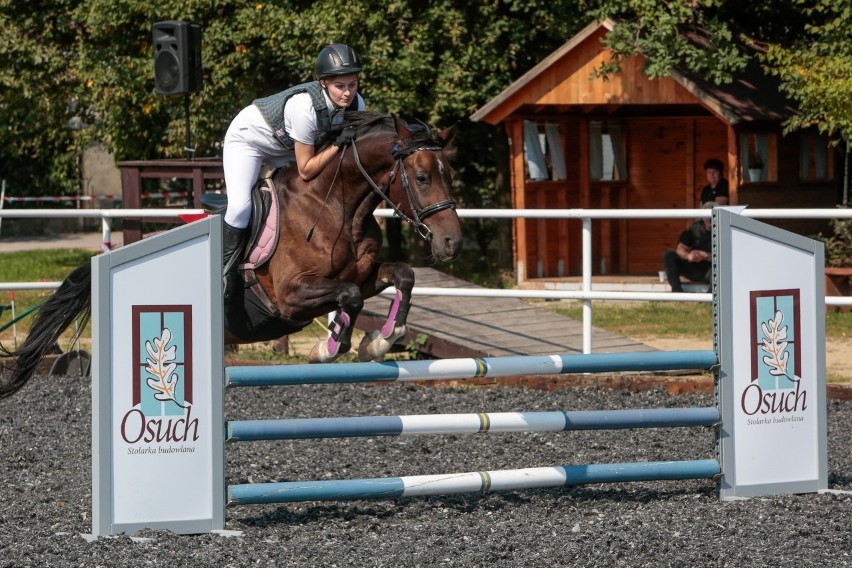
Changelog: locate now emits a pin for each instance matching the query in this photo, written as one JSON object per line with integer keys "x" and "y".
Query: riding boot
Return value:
{"x": 233, "y": 242}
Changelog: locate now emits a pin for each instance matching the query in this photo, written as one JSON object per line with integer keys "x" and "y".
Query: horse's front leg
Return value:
{"x": 344, "y": 298}
{"x": 377, "y": 343}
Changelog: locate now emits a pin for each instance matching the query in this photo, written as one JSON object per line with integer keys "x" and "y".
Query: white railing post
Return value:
{"x": 2, "y": 198}
{"x": 587, "y": 284}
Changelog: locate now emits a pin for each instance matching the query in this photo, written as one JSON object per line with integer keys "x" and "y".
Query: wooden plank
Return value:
{"x": 488, "y": 327}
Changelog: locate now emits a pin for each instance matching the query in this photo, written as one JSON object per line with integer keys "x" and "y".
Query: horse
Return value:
{"x": 327, "y": 254}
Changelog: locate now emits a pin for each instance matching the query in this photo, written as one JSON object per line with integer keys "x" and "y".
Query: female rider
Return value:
{"x": 281, "y": 129}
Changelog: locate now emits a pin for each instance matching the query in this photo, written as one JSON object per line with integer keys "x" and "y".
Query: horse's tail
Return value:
{"x": 71, "y": 300}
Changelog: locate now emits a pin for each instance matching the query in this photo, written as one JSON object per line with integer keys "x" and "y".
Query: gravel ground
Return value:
{"x": 46, "y": 507}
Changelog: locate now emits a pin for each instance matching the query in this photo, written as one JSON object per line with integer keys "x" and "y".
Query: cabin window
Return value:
{"x": 607, "y": 152}
{"x": 814, "y": 157}
{"x": 757, "y": 156}
{"x": 543, "y": 151}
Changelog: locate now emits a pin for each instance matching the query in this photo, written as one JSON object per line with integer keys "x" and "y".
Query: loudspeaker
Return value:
{"x": 177, "y": 58}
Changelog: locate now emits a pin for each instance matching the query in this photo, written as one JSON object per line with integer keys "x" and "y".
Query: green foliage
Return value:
{"x": 413, "y": 347}
{"x": 38, "y": 149}
{"x": 89, "y": 63}
{"x": 816, "y": 68}
{"x": 92, "y": 61}
{"x": 806, "y": 43}
{"x": 656, "y": 30}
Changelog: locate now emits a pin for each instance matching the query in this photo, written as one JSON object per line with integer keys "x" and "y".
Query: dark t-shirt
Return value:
{"x": 697, "y": 237}
{"x": 710, "y": 194}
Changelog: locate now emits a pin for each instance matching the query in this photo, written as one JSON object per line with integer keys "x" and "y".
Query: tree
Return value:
{"x": 39, "y": 148}
{"x": 806, "y": 43}
{"x": 816, "y": 69}
{"x": 90, "y": 63}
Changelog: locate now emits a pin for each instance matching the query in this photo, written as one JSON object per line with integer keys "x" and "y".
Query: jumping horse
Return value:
{"x": 327, "y": 254}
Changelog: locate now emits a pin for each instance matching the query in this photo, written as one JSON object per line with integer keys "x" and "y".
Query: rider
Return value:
{"x": 281, "y": 129}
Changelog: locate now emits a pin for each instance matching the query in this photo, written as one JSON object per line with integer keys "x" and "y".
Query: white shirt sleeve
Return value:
{"x": 300, "y": 119}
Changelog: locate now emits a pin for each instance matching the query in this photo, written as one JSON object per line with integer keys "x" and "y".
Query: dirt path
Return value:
{"x": 838, "y": 358}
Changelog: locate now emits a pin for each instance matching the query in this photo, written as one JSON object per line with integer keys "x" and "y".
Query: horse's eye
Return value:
{"x": 421, "y": 179}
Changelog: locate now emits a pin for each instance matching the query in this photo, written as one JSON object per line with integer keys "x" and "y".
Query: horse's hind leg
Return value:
{"x": 312, "y": 293}
{"x": 377, "y": 343}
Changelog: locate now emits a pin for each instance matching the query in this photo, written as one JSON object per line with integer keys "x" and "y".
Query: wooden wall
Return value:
{"x": 665, "y": 159}
{"x": 790, "y": 192}
{"x": 666, "y": 171}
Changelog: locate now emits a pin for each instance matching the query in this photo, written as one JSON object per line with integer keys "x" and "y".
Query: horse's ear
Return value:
{"x": 449, "y": 149}
{"x": 401, "y": 127}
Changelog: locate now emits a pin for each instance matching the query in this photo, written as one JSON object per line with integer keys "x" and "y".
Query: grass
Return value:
{"x": 41, "y": 265}
{"x": 647, "y": 319}
{"x": 673, "y": 319}
{"x": 49, "y": 265}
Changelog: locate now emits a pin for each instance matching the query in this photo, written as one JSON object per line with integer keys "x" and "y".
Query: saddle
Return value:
{"x": 263, "y": 224}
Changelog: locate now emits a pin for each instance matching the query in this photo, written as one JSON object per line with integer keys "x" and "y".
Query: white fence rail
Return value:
{"x": 586, "y": 294}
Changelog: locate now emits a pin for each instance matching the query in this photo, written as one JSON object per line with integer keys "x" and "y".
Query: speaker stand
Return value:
{"x": 190, "y": 151}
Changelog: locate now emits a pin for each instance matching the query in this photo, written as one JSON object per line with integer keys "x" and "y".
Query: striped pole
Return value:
{"x": 467, "y": 368}
{"x": 482, "y": 481}
{"x": 358, "y": 426}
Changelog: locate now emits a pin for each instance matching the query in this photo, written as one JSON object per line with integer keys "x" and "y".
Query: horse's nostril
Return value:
{"x": 452, "y": 245}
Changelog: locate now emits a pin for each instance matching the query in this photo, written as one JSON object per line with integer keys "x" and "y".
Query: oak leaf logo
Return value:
{"x": 775, "y": 345}
{"x": 162, "y": 368}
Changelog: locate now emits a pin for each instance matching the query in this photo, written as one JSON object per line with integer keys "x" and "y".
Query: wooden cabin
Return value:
{"x": 630, "y": 142}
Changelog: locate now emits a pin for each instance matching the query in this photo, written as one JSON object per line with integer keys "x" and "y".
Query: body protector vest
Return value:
{"x": 272, "y": 109}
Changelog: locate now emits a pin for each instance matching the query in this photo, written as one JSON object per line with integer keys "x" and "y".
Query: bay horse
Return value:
{"x": 327, "y": 255}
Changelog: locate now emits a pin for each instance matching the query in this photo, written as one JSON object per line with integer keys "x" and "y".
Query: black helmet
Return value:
{"x": 336, "y": 59}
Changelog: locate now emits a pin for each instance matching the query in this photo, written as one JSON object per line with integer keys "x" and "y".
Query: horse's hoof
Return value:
{"x": 319, "y": 353}
{"x": 367, "y": 349}
{"x": 374, "y": 346}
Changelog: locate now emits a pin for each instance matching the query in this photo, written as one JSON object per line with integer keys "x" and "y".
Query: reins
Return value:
{"x": 419, "y": 213}
{"x": 327, "y": 194}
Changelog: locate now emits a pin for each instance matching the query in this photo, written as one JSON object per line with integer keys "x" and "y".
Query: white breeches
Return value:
{"x": 249, "y": 144}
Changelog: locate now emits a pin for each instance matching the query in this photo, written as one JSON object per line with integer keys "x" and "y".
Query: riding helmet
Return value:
{"x": 336, "y": 59}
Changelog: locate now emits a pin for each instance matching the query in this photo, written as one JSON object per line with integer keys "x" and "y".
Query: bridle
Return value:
{"x": 418, "y": 212}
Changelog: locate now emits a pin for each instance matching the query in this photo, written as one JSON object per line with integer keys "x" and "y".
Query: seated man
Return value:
{"x": 691, "y": 258}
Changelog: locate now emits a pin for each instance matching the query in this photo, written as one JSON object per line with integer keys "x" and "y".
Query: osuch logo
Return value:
{"x": 161, "y": 405}
{"x": 776, "y": 355}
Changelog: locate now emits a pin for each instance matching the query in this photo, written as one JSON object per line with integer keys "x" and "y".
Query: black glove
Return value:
{"x": 347, "y": 136}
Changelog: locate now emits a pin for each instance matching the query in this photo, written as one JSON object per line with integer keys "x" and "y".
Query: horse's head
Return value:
{"x": 422, "y": 185}
{"x": 411, "y": 164}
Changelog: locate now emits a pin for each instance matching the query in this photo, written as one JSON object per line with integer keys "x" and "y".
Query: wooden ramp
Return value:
{"x": 447, "y": 326}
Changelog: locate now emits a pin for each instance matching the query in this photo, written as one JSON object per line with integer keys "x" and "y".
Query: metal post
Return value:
{"x": 190, "y": 152}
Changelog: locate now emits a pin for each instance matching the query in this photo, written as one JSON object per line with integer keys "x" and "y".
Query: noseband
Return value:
{"x": 418, "y": 212}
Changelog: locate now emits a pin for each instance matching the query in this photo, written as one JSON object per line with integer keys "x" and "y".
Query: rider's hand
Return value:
{"x": 347, "y": 136}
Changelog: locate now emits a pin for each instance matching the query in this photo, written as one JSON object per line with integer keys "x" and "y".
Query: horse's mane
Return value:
{"x": 367, "y": 122}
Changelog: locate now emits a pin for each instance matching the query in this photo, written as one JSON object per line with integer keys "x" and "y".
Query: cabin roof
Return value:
{"x": 752, "y": 96}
